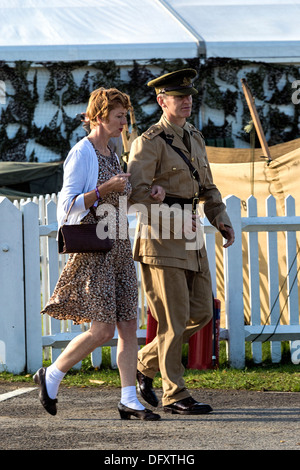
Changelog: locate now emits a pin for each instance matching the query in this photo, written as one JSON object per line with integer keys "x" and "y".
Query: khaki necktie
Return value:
{"x": 186, "y": 139}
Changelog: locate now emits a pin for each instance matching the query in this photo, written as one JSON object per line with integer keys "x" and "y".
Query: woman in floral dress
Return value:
{"x": 100, "y": 288}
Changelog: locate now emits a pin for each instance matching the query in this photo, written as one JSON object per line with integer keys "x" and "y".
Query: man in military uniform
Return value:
{"x": 176, "y": 278}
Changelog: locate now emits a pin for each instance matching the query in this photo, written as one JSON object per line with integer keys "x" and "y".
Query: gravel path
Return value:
{"x": 88, "y": 419}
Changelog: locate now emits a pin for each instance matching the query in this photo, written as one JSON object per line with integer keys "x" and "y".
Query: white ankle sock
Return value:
{"x": 53, "y": 378}
{"x": 129, "y": 398}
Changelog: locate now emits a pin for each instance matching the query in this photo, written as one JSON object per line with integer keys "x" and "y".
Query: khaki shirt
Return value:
{"x": 153, "y": 161}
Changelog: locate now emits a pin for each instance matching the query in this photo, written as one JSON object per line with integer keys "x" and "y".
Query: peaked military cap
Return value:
{"x": 175, "y": 83}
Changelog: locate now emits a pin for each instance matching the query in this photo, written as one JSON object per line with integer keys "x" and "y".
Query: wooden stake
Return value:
{"x": 127, "y": 137}
{"x": 256, "y": 120}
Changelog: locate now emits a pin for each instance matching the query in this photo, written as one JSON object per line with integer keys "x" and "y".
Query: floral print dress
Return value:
{"x": 99, "y": 286}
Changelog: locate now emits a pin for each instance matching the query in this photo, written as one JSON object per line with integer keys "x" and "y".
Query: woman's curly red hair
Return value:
{"x": 102, "y": 101}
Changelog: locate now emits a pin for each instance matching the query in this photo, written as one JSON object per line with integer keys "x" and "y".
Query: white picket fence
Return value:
{"x": 30, "y": 267}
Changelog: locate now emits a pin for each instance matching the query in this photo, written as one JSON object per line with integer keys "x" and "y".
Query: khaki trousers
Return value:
{"x": 181, "y": 302}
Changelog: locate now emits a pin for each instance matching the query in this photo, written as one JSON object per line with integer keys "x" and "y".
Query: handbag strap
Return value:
{"x": 71, "y": 205}
{"x": 193, "y": 170}
{"x": 92, "y": 210}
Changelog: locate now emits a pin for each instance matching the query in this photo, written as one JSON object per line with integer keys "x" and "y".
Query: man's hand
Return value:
{"x": 158, "y": 193}
{"x": 228, "y": 233}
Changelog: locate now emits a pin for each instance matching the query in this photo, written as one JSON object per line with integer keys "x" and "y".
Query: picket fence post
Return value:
{"x": 292, "y": 275}
{"x": 55, "y": 325}
{"x": 253, "y": 261}
{"x": 273, "y": 278}
{"x": 12, "y": 320}
{"x": 31, "y": 240}
{"x": 233, "y": 283}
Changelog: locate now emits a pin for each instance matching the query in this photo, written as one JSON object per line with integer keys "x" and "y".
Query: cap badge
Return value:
{"x": 186, "y": 82}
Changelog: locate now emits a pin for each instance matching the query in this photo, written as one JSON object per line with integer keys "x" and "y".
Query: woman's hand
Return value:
{"x": 115, "y": 184}
{"x": 158, "y": 193}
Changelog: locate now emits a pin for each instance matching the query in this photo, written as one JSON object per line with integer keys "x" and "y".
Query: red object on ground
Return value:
{"x": 203, "y": 345}
{"x": 151, "y": 327}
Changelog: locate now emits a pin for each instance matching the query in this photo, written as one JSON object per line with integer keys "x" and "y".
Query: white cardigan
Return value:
{"x": 81, "y": 170}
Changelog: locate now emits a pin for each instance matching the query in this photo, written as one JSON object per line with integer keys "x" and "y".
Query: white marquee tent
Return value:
{"x": 39, "y": 30}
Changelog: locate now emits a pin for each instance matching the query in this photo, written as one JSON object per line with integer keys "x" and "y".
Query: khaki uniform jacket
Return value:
{"x": 153, "y": 161}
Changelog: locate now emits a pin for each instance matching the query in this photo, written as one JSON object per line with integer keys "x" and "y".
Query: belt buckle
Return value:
{"x": 194, "y": 204}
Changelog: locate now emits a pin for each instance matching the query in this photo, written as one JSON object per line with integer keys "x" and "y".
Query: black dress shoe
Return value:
{"x": 144, "y": 386}
{"x": 145, "y": 414}
{"x": 188, "y": 406}
{"x": 48, "y": 403}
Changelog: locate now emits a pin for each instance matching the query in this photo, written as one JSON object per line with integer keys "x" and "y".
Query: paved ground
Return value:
{"x": 88, "y": 419}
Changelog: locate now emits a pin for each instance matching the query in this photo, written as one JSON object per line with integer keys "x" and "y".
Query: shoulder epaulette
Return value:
{"x": 194, "y": 129}
{"x": 152, "y": 132}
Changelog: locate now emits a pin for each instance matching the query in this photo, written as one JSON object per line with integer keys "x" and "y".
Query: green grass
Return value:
{"x": 283, "y": 377}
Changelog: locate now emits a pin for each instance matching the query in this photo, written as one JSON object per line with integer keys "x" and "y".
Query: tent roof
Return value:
{"x": 91, "y": 30}
{"x": 265, "y": 30}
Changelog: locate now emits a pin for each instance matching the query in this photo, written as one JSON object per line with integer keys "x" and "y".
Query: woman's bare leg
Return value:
{"x": 127, "y": 363}
{"x": 84, "y": 344}
{"x": 77, "y": 349}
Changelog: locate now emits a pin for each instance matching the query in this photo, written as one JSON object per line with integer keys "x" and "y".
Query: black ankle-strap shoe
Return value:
{"x": 48, "y": 403}
{"x": 146, "y": 415}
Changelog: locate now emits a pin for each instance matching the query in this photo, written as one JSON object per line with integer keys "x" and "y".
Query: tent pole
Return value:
{"x": 256, "y": 120}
